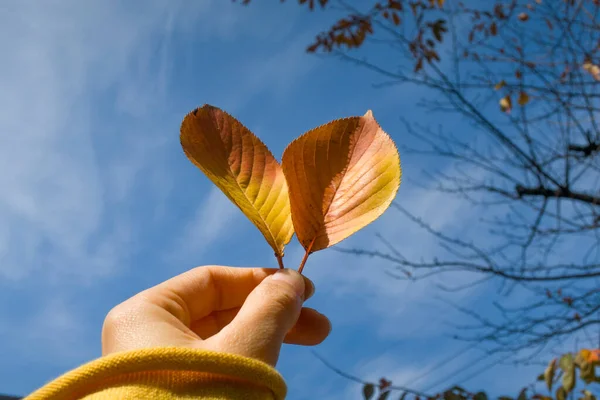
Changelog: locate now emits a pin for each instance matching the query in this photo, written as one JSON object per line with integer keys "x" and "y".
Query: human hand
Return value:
{"x": 245, "y": 311}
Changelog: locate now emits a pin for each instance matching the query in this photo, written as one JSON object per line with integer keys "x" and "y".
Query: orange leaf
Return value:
{"x": 342, "y": 176}
{"x": 590, "y": 356}
{"x": 239, "y": 164}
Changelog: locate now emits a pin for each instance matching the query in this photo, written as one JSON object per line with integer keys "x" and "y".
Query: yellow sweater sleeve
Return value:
{"x": 167, "y": 373}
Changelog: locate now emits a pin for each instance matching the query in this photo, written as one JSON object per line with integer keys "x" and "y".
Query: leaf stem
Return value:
{"x": 308, "y": 249}
{"x": 280, "y": 261}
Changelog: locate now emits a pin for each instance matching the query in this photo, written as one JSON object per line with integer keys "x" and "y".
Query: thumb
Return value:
{"x": 269, "y": 312}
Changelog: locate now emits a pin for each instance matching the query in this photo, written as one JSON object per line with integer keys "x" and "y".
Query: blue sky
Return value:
{"x": 98, "y": 201}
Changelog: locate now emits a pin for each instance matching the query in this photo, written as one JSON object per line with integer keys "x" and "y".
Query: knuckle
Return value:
{"x": 283, "y": 297}
{"x": 119, "y": 316}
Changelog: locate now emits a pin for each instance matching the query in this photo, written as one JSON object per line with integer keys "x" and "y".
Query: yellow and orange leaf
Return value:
{"x": 341, "y": 176}
{"x": 239, "y": 164}
{"x": 590, "y": 356}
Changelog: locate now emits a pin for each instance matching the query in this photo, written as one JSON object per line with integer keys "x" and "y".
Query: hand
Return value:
{"x": 245, "y": 311}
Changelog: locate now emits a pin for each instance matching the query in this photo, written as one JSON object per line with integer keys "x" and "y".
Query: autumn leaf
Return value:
{"x": 341, "y": 176}
{"x": 506, "y": 104}
{"x": 523, "y": 98}
{"x": 523, "y": 17}
{"x": 590, "y": 356}
{"x": 567, "y": 364}
{"x": 500, "y": 85}
{"x": 592, "y": 69}
{"x": 549, "y": 374}
{"x": 239, "y": 164}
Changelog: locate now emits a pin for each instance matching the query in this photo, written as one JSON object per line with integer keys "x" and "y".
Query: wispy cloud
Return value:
{"x": 70, "y": 64}
{"x": 213, "y": 221}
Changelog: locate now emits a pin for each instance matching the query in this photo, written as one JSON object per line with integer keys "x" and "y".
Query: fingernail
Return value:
{"x": 291, "y": 277}
{"x": 309, "y": 288}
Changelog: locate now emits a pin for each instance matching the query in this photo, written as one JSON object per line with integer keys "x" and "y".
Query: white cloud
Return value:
{"x": 63, "y": 58}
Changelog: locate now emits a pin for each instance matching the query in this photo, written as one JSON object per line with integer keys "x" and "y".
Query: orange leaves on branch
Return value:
{"x": 587, "y": 360}
{"x": 334, "y": 180}
{"x": 342, "y": 176}
{"x": 591, "y": 356}
{"x": 239, "y": 164}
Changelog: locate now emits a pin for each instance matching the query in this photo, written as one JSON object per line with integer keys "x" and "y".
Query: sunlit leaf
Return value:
{"x": 506, "y": 104}
{"x": 341, "y": 176}
{"x": 590, "y": 356}
{"x": 239, "y": 164}
{"x": 561, "y": 393}
{"x": 592, "y": 69}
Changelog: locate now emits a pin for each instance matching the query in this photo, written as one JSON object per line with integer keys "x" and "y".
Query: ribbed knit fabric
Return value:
{"x": 167, "y": 373}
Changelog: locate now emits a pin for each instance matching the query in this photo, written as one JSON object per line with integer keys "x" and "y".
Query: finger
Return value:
{"x": 197, "y": 293}
{"x": 311, "y": 329}
{"x": 213, "y": 323}
{"x": 263, "y": 321}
